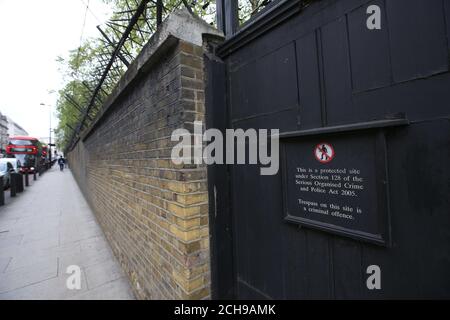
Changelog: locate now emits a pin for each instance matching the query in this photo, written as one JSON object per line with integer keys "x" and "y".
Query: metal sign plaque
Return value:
{"x": 337, "y": 183}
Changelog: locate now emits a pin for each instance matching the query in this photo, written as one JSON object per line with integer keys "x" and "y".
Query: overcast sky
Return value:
{"x": 33, "y": 34}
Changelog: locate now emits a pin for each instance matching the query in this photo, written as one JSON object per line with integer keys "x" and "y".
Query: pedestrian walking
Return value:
{"x": 61, "y": 163}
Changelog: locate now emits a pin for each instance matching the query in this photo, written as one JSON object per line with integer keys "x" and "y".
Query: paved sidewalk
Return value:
{"x": 44, "y": 230}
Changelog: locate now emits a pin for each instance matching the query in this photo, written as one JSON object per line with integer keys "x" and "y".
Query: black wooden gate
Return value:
{"x": 381, "y": 99}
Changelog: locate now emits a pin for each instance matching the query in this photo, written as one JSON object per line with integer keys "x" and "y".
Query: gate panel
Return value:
{"x": 264, "y": 86}
{"x": 310, "y": 93}
{"x": 336, "y": 69}
{"x": 369, "y": 51}
{"x": 322, "y": 68}
{"x": 418, "y": 44}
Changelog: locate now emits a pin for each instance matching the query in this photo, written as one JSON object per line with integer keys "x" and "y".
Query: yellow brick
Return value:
{"x": 187, "y": 223}
{"x": 196, "y": 295}
{"x": 204, "y": 243}
{"x": 175, "y": 186}
{"x": 204, "y": 232}
{"x": 195, "y": 283}
{"x": 184, "y": 235}
{"x": 189, "y": 199}
{"x": 189, "y": 248}
{"x": 188, "y": 285}
{"x": 183, "y": 212}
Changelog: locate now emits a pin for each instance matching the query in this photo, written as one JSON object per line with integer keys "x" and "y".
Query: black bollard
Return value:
{"x": 27, "y": 181}
{"x": 34, "y": 174}
{"x": 19, "y": 182}
{"x": 40, "y": 171}
{"x": 13, "y": 184}
{"x": 2, "y": 192}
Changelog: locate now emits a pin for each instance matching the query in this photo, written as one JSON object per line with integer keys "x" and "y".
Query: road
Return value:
{"x": 48, "y": 228}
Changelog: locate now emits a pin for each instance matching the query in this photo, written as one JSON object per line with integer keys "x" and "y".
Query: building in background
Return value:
{"x": 14, "y": 129}
{"x": 9, "y": 128}
{"x": 3, "y": 132}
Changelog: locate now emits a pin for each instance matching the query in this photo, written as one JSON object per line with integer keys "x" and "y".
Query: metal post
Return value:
{"x": 220, "y": 15}
{"x": 49, "y": 131}
{"x": 159, "y": 9}
{"x": 50, "y": 137}
{"x": 13, "y": 183}
{"x": 34, "y": 175}
{"x": 27, "y": 182}
{"x": 2, "y": 192}
{"x": 19, "y": 178}
{"x": 231, "y": 17}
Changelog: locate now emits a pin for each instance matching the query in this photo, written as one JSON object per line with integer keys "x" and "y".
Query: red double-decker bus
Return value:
{"x": 28, "y": 150}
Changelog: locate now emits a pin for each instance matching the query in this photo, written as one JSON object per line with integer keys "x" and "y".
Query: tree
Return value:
{"x": 249, "y": 8}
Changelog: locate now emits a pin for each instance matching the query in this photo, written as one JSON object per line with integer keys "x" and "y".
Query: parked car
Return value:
{"x": 14, "y": 162}
{"x": 6, "y": 168}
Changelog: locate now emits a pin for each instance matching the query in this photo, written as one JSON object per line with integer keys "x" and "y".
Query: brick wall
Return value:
{"x": 154, "y": 213}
